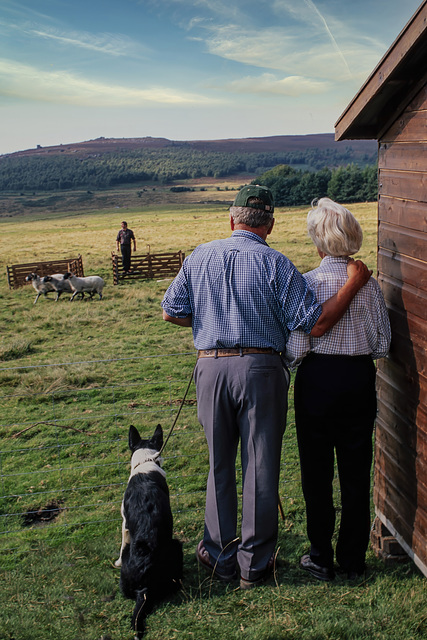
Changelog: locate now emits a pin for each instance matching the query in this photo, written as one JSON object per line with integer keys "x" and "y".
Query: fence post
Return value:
{"x": 9, "y": 273}
{"x": 80, "y": 265}
{"x": 15, "y": 277}
{"x": 115, "y": 268}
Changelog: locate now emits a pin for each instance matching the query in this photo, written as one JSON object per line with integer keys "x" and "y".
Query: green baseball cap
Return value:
{"x": 255, "y": 191}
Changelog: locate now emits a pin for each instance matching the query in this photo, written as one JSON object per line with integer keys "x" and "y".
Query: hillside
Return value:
{"x": 270, "y": 144}
{"x": 105, "y": 163}
{"x": 79, "y": 175}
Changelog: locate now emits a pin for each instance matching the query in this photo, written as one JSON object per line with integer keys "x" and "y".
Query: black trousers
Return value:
{"x": 126, "y": 253}
{"x": 335, "y": 408}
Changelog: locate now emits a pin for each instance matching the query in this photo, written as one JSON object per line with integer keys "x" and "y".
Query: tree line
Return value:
{"x": 344, "y": 184}
{"x": 63, "y": 171}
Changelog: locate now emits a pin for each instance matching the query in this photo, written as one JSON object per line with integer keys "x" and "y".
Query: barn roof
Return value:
{"x": 391, "y": 86}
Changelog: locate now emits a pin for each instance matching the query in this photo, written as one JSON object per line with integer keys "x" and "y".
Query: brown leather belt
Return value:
{"x": 223, "y": 353}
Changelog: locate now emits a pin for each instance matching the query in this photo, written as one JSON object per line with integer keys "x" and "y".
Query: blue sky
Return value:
{"x": 74, "y": 70}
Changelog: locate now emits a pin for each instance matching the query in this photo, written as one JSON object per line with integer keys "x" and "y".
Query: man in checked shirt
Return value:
{"x": 242, "y": 300}
{"x": 335, "y": 400}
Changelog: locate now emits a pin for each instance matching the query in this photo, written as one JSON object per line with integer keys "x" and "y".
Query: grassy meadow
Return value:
{"x": 73, "y": 377}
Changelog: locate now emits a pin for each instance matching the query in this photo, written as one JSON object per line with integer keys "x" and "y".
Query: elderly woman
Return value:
{"x": 335, "y": 400}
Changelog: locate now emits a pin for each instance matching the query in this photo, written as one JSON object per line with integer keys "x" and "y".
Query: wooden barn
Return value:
{"x": 391, "y": 107}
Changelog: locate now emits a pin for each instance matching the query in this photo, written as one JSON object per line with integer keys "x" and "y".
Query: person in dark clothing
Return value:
{"x": 124, "y": 239}
{"x": 335, "y": 400}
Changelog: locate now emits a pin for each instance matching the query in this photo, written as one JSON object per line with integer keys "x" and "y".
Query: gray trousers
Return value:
{"x": 242, "y": 397}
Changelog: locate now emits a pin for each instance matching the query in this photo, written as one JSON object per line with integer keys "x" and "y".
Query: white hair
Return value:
{"x": 333, "y": 228}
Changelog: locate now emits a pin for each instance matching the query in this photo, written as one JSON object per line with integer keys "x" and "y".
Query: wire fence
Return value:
{"x": 64, "y": 458}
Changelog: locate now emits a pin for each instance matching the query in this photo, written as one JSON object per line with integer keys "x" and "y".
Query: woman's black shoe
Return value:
{"x": 321, "y": 573}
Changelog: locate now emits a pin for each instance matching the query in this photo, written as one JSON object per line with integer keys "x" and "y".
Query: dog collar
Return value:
{"x": 146, "y": 457}
{"x": 157, "y": 459}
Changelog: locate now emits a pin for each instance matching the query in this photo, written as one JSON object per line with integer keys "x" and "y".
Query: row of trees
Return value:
{"x": 63, "y": 171}
{"x": 345, "y": 184}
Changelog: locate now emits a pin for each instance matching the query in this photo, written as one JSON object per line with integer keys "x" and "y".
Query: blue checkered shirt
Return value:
{"x": 241, "y": 293}
{"x": 363, "y": 330}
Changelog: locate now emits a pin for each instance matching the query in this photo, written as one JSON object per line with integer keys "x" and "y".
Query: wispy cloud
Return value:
{"x": 299, "y": 11}
{"x": 221, "y": 9}
{"x": 323, "y": 22}
{"x": 353, "y": 47}
{"x": 263, "y": 48}
{"x": 194, "y": 22}
{"x": 297, "y": 38}
{"x": 111, "y": 44}
{"x": 60, "y": 87}
{"x": 40, "y": 27}
{"x": 104, "y": 43}
{"x": 16, "y": 9}
{"x": 268, "y": 84}
{"x": 287, "y": 50}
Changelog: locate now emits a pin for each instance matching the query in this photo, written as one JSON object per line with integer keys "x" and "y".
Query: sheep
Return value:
{"x": 89, "y": 284}
{"x": 40, "y": 285}
{"x": 59, "y": 284}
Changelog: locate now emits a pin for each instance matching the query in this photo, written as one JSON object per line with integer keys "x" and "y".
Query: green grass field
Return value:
{"x": 73, "y": 377}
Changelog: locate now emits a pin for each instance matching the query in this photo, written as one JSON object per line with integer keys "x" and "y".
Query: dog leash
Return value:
{"x": 179, "y": 410}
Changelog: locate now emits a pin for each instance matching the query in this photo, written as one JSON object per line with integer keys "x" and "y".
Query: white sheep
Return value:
{"x": 59, "y": 284}
{"x": 40, "y": 285}
{"x": 89, "y": 284}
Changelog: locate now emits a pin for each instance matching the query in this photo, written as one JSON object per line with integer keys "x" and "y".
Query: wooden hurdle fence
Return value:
{"x": 147, "y": 266}
{"x": 16, "y": 273}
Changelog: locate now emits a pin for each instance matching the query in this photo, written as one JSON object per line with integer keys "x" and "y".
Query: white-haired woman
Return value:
{"x": 335, "y": 400}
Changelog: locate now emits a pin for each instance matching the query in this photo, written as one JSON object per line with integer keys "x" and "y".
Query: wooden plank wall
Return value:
{"x": 400, "y": 486}
{"x": 150, "y": 265}
{"x": 16, "y": 273}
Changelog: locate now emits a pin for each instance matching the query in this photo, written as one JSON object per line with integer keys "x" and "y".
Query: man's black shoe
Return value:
{"x": 321, "y": 573}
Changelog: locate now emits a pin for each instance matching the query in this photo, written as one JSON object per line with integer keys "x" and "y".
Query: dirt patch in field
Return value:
{"x": 40, "y": 516}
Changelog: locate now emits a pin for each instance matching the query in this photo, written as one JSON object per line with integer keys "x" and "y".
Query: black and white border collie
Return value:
{"x": 150, "y": 559}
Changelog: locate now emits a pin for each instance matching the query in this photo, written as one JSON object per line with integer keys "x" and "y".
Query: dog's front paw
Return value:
{"x": 118, "y": 563}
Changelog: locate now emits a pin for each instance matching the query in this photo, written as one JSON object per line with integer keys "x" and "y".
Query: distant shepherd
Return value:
{"x": 124, "y": 238}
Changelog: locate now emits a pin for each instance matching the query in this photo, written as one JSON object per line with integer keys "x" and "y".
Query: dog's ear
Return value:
{"x": 157, "y": 438}
{"x": 134, "y": 438}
